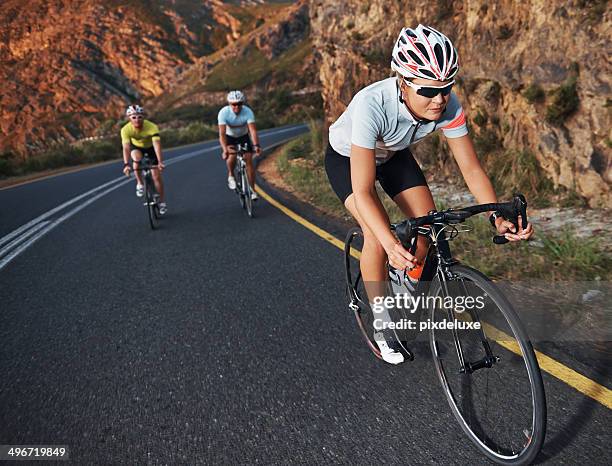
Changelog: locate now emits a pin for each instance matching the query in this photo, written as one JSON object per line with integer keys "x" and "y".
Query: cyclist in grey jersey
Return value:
{"x": 237, "y": 126}
{"x": 371, "y": 140}
{"x": 377, "y": 119}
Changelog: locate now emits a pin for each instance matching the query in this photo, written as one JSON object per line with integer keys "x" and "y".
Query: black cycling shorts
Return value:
{"x": 233, "y": 141}
{"x": 148, "y": 152}
{"x": 399, "y": 173}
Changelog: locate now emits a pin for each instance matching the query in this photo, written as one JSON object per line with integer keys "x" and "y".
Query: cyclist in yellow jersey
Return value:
{"x": 140, "y": 138}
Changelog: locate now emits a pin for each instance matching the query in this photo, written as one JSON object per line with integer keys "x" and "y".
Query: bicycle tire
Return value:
{"x": 150, "y": 200}
{"x": 156, "y": 207}
{"x": 357, "y": 296}
{"x": 239, "y": 187}
{"x": 528, "y": 442}
{"x": 248, "y": 195}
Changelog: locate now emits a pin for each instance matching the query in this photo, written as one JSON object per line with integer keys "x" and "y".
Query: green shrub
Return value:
{"x": 565, "y": 101}
{"x": 581, "y": 257}
{"x": 377, "y": 57}
{"x": 194, "y": 132}
{"x": 505, "y": 32}
{"x": 534, "y": 93}
{"x": 8, "y": 164}
{"x": 191, "y": 112}
{"x": 518, "y": 171}
{"x": 487, "y": 141}
{"x": 481, "y": 118}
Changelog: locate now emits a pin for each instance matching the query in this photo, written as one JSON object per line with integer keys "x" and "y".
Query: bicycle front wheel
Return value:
{"x": 490, "y": 375}
{"x": 150, "y": 202}
{"x": 239, "y": 187}
{"x": 248, "y": 192}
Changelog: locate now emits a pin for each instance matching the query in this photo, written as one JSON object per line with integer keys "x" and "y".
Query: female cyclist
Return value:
{"x": 371, "y": 141}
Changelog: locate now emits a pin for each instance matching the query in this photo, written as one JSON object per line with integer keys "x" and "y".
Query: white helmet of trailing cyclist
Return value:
{"x": 236, "y": 96}
{"x": 424, "y": 53}
{"x": 134, "y": 110}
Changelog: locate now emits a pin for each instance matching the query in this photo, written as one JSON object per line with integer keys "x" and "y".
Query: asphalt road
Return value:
{"x": 216, "y": 339}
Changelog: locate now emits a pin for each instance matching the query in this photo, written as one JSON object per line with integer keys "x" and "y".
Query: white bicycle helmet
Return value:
{"x": 424, "y": 53}
{"x": 134, "y": 110}
{"x": 235, "y": 97}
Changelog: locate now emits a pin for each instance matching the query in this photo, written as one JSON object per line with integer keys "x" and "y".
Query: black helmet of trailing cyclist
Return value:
{"x": 424, "y": 53}
{"x": 234, "y": 97}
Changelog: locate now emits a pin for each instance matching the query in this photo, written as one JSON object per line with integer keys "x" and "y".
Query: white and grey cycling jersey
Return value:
{"x": 236, "y": 124}
{"x": 377, "y": 119}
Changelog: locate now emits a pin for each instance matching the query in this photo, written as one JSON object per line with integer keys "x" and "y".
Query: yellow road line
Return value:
{"x": 569, "y": 376}
{"x": 302, "y": 221}
{"x": 576, "y": 380}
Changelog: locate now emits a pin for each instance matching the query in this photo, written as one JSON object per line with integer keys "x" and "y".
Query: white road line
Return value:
{"x": 38, "y": 227}
{"x": 23, "y": 237}
{"x": 28, "y": 225}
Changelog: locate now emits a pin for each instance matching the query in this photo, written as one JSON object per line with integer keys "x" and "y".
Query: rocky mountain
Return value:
{"x": 534, "y": 76}
{"x": 67, "y": 66}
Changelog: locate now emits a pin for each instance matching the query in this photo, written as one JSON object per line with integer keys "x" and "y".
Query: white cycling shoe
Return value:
{"x": 231, "y": 182}
{"x": 389, "y": 350}
{"x": 139, "y": 190}
{"x": 163, "y": 208}
{"x": 254, "y": 196}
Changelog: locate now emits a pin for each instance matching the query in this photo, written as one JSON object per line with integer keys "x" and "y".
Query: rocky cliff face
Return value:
{"x": 534, "y": 75}
{"x": 276, "y": 54}
{"x": 69, "y": 65}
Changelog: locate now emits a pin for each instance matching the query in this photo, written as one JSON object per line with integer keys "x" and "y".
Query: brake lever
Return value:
{"x": 519, "y": 208}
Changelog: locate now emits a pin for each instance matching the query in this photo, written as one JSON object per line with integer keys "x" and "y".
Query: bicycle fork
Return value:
{"x": 466, "y": 366}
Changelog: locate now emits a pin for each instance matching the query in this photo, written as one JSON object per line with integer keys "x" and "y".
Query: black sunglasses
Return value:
{"x": 431, "y": 91}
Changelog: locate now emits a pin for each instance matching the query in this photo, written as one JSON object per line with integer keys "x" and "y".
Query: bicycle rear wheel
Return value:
{"x": 150, "y": 201}
{"x": 499, "y": 399}
{"x": 357, "y": 296}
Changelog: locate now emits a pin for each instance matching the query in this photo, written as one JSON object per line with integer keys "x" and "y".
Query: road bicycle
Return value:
{"x": 150, "y": 193}
{"x": 243, "y": 187}
{"x": 485, "y": 361}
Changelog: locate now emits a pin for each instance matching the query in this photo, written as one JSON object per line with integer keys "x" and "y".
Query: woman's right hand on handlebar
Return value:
{"x": 400, "y": 258}
{"x": 126, "y": 170}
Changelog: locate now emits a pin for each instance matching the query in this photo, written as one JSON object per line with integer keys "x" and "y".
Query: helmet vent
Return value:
{"x": 422, "y": 49}
{"x": 439, "y": 55}
{"x": 415, "y": 57}
{"x": 427, "y": 73}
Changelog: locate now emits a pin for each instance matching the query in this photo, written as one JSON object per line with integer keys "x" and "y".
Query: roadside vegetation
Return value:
{"x": 550, "y": 257}
{"x": 59, "y": 156}
{"x": 179, "y": 125}
{"x": 87, "y": 152}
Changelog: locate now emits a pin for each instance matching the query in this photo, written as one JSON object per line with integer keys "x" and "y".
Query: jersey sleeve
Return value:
{"x": 221, "y": 118}
{"x": 250, "y": 116}
{"x": 155, "y": 132}
{"x": 453, "y": 122}
{"x": 366, "y": 122}
{"x": 125, "y": 135}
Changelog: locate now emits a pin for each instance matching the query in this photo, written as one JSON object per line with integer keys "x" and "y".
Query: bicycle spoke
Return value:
{"x": 496, "y": 405}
